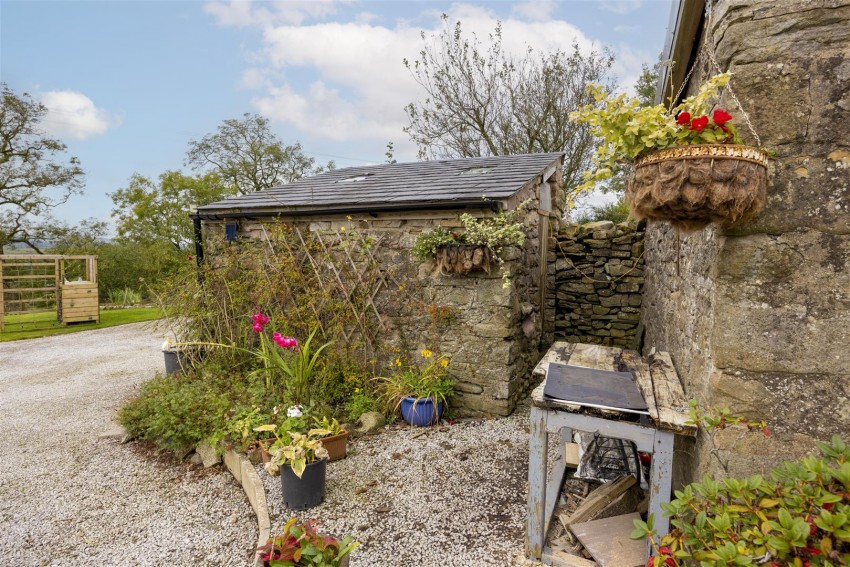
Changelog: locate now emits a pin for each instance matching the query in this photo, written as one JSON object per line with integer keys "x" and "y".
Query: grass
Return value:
{"x": 34, "y": 325}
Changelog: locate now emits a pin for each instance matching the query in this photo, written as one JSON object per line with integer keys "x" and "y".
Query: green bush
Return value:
{"x": 175, "y": 413}
{"x": 800, "y": 516}
{"x": 616, "y": 212}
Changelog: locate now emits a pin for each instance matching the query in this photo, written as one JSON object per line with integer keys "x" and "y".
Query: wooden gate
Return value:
{"x": 35, "y": 283}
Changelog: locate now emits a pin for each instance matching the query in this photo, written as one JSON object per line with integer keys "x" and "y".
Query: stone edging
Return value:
{"x": 245, "y": 473}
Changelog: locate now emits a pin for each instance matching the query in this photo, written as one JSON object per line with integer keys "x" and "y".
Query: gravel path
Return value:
{"x": 451, "y": 496}
{"x": 70, "y": 498}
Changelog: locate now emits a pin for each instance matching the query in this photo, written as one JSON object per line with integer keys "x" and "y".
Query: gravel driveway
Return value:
{"x": 70, "y": 498}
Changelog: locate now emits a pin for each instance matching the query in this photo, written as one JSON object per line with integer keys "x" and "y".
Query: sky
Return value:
{"x": 128, "y": 84}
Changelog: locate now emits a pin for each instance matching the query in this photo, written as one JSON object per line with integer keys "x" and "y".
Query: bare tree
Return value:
{"x": 33, "y": 177}
{"x": 480, "y": 101}
{"x": 249, "y": 156}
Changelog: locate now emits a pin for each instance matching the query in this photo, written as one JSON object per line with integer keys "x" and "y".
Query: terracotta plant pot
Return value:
{"x": 336, "y": 446}
{"x": 693, "y": 186}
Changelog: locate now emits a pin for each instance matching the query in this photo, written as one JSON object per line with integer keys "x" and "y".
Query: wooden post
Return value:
{"x": 537, "y": 457}
{"x": 2, "y": 296}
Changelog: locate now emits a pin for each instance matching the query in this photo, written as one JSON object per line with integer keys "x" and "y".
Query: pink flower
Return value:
{"x": 260, "y": 317}
{"x": 257, "y": 328}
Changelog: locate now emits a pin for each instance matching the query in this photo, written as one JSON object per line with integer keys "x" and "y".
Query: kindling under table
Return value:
{"x": 658, "y": 383}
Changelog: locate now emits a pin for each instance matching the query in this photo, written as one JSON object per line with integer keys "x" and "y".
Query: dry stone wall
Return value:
{"x": 492, "y": 333}
{"x": 599, "y": 277}
{"x": 756, "y": 317}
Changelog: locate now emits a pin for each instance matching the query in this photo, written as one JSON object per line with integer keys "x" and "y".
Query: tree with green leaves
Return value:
{"x": 34, "y": 176}
{"x": 249, "y": 157}
{"x": 147, "y": 211}
{"x": 481, "y": 101}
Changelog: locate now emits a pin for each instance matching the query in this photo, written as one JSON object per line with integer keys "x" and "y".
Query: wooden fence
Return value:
{"x": 33, "y": 283}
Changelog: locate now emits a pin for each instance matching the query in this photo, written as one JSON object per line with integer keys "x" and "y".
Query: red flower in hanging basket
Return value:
{"x": 683, "y": 118}
{"x": 699, "y": 124}
{"x": 721, "y": 117}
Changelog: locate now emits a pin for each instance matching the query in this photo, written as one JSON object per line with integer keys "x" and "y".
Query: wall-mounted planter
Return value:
{"x": 464, "y": 258}
{"x": 693, "y": 186}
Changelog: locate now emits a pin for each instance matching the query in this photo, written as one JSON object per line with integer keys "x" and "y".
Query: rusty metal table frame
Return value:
{"x": 551, "y": 416}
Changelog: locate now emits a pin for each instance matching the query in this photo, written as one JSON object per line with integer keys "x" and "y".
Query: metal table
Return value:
{"x": 659, "y": 384}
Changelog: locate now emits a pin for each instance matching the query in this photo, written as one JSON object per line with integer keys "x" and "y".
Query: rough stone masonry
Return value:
{"x": 599, "y": 277}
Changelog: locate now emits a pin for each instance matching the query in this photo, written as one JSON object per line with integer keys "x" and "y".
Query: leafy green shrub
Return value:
{"x": 800, "y": 516}
{"x": 359, "y": 404}
{"x": 616, "y": 212}
{"x": 176, "y": 414}
{"x": 124, "y": 297}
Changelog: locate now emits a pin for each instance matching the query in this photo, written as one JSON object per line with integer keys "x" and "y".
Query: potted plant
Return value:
{"x": 420, "y": 393}
{"x": 179, "y": 357}
{"x": 690, "y": 166}
{"x": 302, "y": 545}
{"x": 337, "y": 440}
{"x": 301, "y": 461}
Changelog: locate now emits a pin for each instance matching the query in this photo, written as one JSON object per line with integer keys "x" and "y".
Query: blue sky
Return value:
{"x": 129, "y": 83}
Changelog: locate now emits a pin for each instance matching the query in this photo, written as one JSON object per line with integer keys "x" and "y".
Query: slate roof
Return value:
{"x": 416, "y": 185}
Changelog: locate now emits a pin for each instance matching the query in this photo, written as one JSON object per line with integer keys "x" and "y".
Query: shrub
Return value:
{"x": 616, "y": 212}
{"x": 800, "y": 516}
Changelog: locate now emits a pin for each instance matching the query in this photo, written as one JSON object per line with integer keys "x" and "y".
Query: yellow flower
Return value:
{"x": 426, "y": 353}
{"x": 398, "y": 362}
{"x": 348, "y": 217}
{"x": 444, "y": 362}
{"x": 342, "y": 229}
{"x": 356, "y": 390}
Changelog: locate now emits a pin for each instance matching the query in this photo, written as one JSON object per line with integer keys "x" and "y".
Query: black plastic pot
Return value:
{"x": 172, "y": 361}
{"x": 307, "y": 491}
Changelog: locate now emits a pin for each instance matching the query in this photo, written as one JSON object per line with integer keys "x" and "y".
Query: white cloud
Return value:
{"x": 243, "y": 13}
{"x": 74, "y": 115}
{"x": 534, "y": 10}
{"x": 621, "y": 7}
{"x": 359, "y": 85}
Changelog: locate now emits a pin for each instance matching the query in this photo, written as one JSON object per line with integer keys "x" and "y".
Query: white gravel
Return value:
{"x": 452, "y": 496}
{"x": 69, "y": 498}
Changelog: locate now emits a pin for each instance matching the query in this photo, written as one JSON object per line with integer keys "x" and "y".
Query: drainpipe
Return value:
{"x": 199, "y": 244}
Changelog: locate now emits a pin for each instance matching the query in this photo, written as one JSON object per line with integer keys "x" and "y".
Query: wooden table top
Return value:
{"x": 655, "y": 376}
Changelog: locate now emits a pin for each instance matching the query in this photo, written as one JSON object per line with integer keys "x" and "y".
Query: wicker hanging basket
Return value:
{"x": 692, "y": 186}
{"x": 463, "y": 258}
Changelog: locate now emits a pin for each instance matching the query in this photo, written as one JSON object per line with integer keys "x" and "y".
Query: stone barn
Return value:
{"x": 757, "y": 317}
{"x": 495, "y": 323}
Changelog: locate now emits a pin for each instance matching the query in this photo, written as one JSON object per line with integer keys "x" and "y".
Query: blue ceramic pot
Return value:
{"x": 421, "y": 411}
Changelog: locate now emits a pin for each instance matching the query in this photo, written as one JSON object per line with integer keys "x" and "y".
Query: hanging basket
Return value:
{"x": 463, "y": 258}
{"x": 693, "y": 186}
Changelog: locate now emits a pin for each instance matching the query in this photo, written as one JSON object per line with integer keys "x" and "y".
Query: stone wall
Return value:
{"x": 756, "y": 318}
{"x": 599, "y": 279}
{"x": 491, "y": 333}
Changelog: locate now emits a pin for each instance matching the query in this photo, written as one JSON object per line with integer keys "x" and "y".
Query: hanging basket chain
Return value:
{"x": 708, "y": 49}
{"x": 710, "y": 43}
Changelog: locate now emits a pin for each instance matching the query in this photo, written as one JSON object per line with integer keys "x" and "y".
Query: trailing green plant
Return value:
{"x": 629, "y": 130}
{"x": 799, "y": 516}
{"x": 301, "y": 545}
{"x": 430, "y": 380}
{"x": 496, "y": 232}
